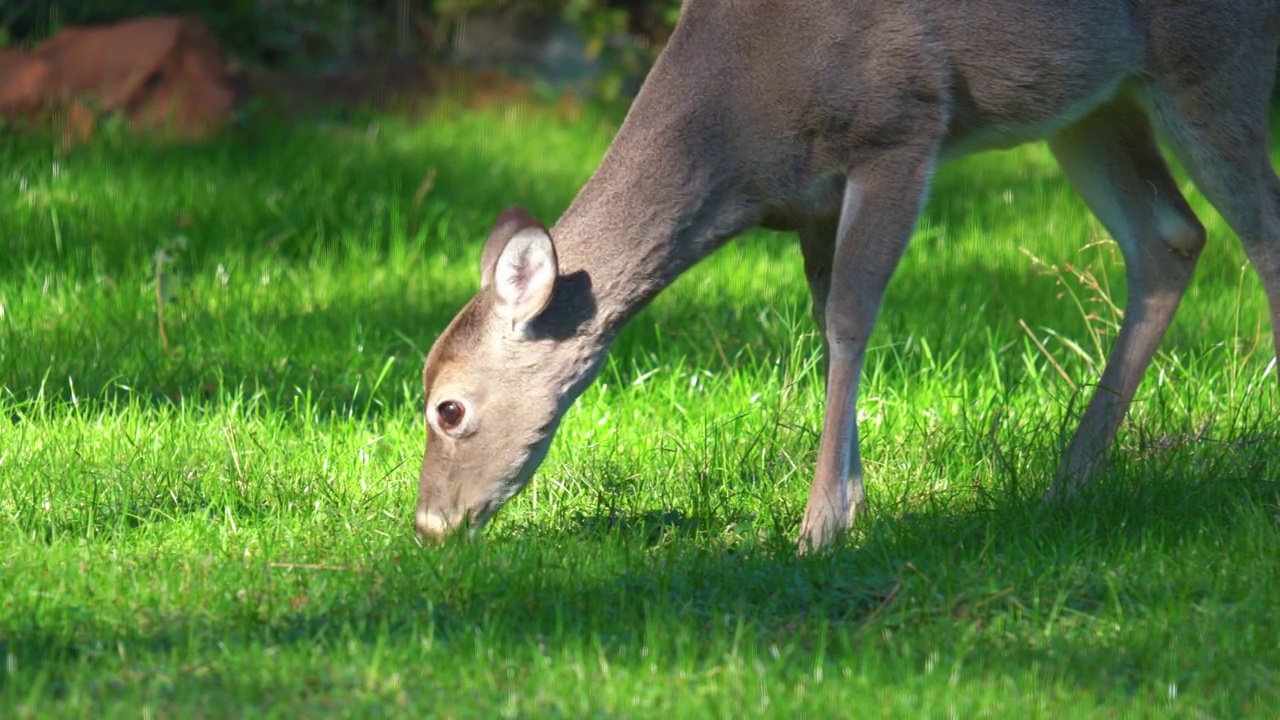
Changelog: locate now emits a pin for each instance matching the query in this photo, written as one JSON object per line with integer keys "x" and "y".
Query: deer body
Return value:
{"x": 828, "y": 117}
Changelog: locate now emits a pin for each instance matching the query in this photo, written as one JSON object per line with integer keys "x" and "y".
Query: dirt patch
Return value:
{"x": 166, "y": 76}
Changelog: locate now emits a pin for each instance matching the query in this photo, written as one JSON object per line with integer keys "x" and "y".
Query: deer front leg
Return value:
{"x": 881, "y": 201}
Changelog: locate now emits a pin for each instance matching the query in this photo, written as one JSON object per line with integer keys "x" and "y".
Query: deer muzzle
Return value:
{"x": 433, "y": 525}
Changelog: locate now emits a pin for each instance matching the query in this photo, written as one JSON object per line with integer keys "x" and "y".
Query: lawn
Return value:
{"x": 210, "y": 514}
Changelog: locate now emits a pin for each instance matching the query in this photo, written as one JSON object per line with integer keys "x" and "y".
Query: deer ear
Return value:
{"x": 519, "y": 265}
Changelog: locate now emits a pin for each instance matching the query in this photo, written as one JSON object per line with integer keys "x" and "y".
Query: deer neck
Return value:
{"x": 662, "y": 199}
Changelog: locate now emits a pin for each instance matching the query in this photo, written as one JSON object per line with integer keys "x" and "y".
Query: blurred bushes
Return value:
{"x": 622, "y": 36}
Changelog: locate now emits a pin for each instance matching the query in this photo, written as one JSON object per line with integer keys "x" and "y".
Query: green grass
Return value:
{"x": 223, "y": 527}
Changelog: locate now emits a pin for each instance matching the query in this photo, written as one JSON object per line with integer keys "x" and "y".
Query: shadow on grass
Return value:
{"x": 1005, "y": 582}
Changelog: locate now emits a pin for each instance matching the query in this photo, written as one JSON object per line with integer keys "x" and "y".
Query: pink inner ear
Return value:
{"x": 514, "y": 276}
{"x": 526, "y": 272}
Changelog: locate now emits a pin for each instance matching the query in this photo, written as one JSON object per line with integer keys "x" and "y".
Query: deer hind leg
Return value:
{"x": 881, "y": 201}
{"x": 1111, "y": 158}
{"x": 1218, "y": 129}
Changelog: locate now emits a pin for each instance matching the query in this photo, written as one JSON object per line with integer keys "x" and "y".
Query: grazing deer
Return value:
{"x": 828, "y": 117}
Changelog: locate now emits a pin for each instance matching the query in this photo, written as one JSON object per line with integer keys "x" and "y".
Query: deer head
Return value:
{"x": 500, "y": 376}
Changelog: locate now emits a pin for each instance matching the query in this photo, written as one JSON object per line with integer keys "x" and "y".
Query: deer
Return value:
{"x": 827, "y": 118}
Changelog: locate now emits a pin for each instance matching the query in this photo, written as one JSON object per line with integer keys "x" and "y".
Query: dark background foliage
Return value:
{"x": 621, "y": 36}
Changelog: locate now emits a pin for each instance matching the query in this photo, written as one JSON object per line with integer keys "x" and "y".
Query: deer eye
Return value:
{"x": 450, "y": 414}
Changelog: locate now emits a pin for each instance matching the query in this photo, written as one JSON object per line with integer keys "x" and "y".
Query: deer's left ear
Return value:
{"x": 519, "y": 265}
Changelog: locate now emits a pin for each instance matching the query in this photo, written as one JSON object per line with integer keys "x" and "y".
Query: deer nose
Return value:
{"x": 432, "y": 524}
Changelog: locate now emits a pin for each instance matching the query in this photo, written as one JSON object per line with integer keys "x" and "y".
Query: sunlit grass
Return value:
{"x": 218, "y": 522}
